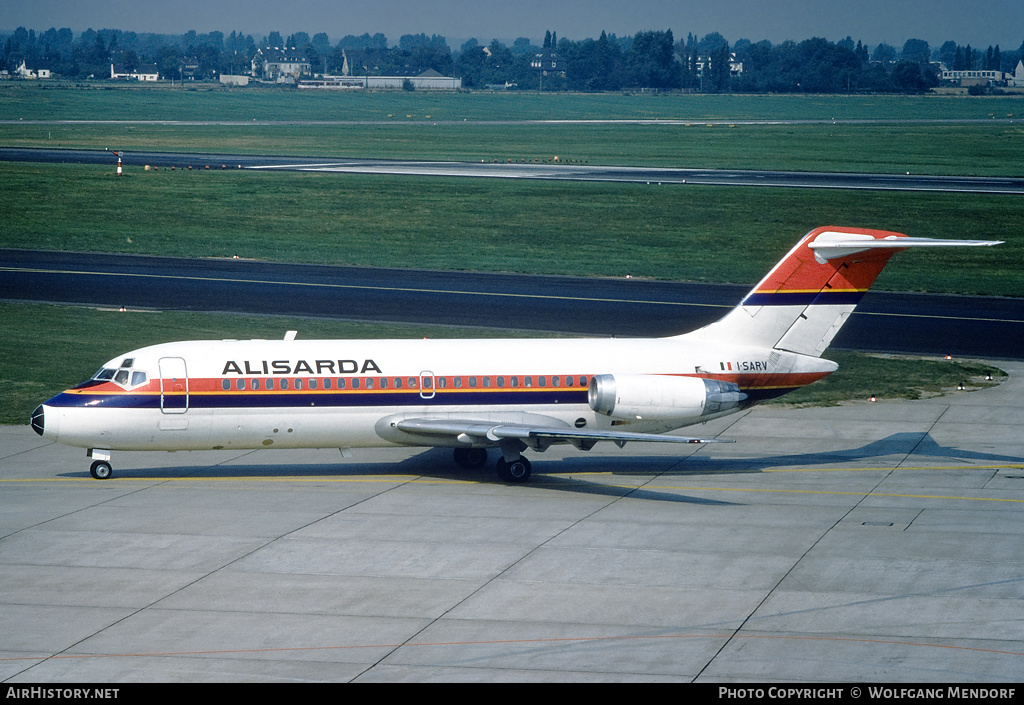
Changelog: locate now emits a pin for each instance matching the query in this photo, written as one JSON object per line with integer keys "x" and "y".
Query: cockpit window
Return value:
{"x": 123, "y": 376}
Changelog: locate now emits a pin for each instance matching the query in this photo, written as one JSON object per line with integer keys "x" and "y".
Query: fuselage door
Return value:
{"x": 427, "y": 384}
{"x": 173, "y": 385}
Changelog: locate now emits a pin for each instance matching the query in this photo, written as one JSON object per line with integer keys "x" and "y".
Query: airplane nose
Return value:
{"x": 39, "y": 420}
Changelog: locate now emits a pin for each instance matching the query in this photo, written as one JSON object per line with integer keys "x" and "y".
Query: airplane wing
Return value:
{"x": 535, "y": 436}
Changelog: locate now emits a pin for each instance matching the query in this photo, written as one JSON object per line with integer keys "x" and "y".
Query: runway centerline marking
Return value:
{"x": 461, "y": 292}
{"x": 365, "y": 287}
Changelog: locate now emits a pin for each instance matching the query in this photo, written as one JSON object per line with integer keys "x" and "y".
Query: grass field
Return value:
{"x": 51, "y": 100}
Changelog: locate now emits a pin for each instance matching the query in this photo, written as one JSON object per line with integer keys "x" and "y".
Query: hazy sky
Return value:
{"x": 872, "y": 21}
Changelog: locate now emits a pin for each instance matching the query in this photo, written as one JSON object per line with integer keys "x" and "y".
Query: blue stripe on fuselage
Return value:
{"x": 292, "y": 400}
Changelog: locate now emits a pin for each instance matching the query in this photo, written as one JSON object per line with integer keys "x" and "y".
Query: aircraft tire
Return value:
{"x": 515, "y": 471}
{"x": 101, "y": 470}
{"x": 471, "y": 458}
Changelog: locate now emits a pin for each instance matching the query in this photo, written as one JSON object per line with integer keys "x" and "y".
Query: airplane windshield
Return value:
{"x": 124, "y": 377}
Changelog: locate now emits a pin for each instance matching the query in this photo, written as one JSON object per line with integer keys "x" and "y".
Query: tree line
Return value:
{"x": 645, "y": 60}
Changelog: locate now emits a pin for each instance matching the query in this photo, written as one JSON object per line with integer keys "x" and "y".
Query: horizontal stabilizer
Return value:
{"x": 832, "y": 245}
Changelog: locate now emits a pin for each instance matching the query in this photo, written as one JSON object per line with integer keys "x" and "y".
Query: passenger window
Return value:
{"x": 442, "y": 382}
{"x": 312, "y": 384}
{"x": 487, "y": 382}
{"x": 341, "y": 382}
{"x": 240, "y": 384}
{"x": 327, "y": 383}
{"x": 458, "y": 382}
{"x": 515, "y": 382}
{"x": 298, "y": 384}
{"x": 355, "y": 383}
{"x": 254, "y": 384}
{"x": 472, "y": 382}
{"x": 500, "y": 382}
{"x": 383, "y": 382}
{"x": 225, "y": 384}
{"x": 284, "y": 384}
{"x": 398, "y": 382}
{"x": 369, "y": 383}
{"x": 542, "y": 381}
{"x": 270, "y": 384}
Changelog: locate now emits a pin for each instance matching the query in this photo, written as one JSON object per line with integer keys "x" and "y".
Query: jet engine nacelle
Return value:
{"x": 661, "y": 397}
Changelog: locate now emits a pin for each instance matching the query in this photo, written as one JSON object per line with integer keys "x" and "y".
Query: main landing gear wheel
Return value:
{"x": 471, "y": 458}
{"x": 513, "y": 471}
{"x": 101, "y": 470}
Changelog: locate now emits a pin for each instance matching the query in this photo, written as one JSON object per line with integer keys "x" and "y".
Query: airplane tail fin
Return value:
{"x": 806, "y": 298}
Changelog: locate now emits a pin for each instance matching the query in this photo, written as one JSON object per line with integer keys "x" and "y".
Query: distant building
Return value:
{"x": 145, "y": 72}
{"x": 1016, "y": 79}
{"x": 735, "y": 67}
{"x": 975, "y": 78}
{"x": 427, "y": 81}
{"x": 548, "y": 63}
{"x": 336, "y": 83}
{"x": 148, "y": 72}
{"x": 281, "y": 65}
{"x": 38, "y": 70}
{"x": 189, "y": 67}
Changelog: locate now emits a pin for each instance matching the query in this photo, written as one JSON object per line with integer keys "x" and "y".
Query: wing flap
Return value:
{"x": 470, "y": 430}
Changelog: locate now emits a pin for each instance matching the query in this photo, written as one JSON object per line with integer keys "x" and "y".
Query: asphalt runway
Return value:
{"x": 869, "y": 543}
{"x": 884, "y": 322}
{"x": 522, "y": 170}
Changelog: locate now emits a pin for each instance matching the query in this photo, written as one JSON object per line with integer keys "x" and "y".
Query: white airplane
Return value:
{"x": 473, "y": 395}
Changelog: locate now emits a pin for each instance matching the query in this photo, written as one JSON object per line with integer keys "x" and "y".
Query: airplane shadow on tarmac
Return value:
{"x": 557, "y": 473}
{"x": 911, "y": 445}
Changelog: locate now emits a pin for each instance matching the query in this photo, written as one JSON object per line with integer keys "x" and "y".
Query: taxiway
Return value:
{"x": 883, "y": 322}
{"x": 513, "y": 169}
